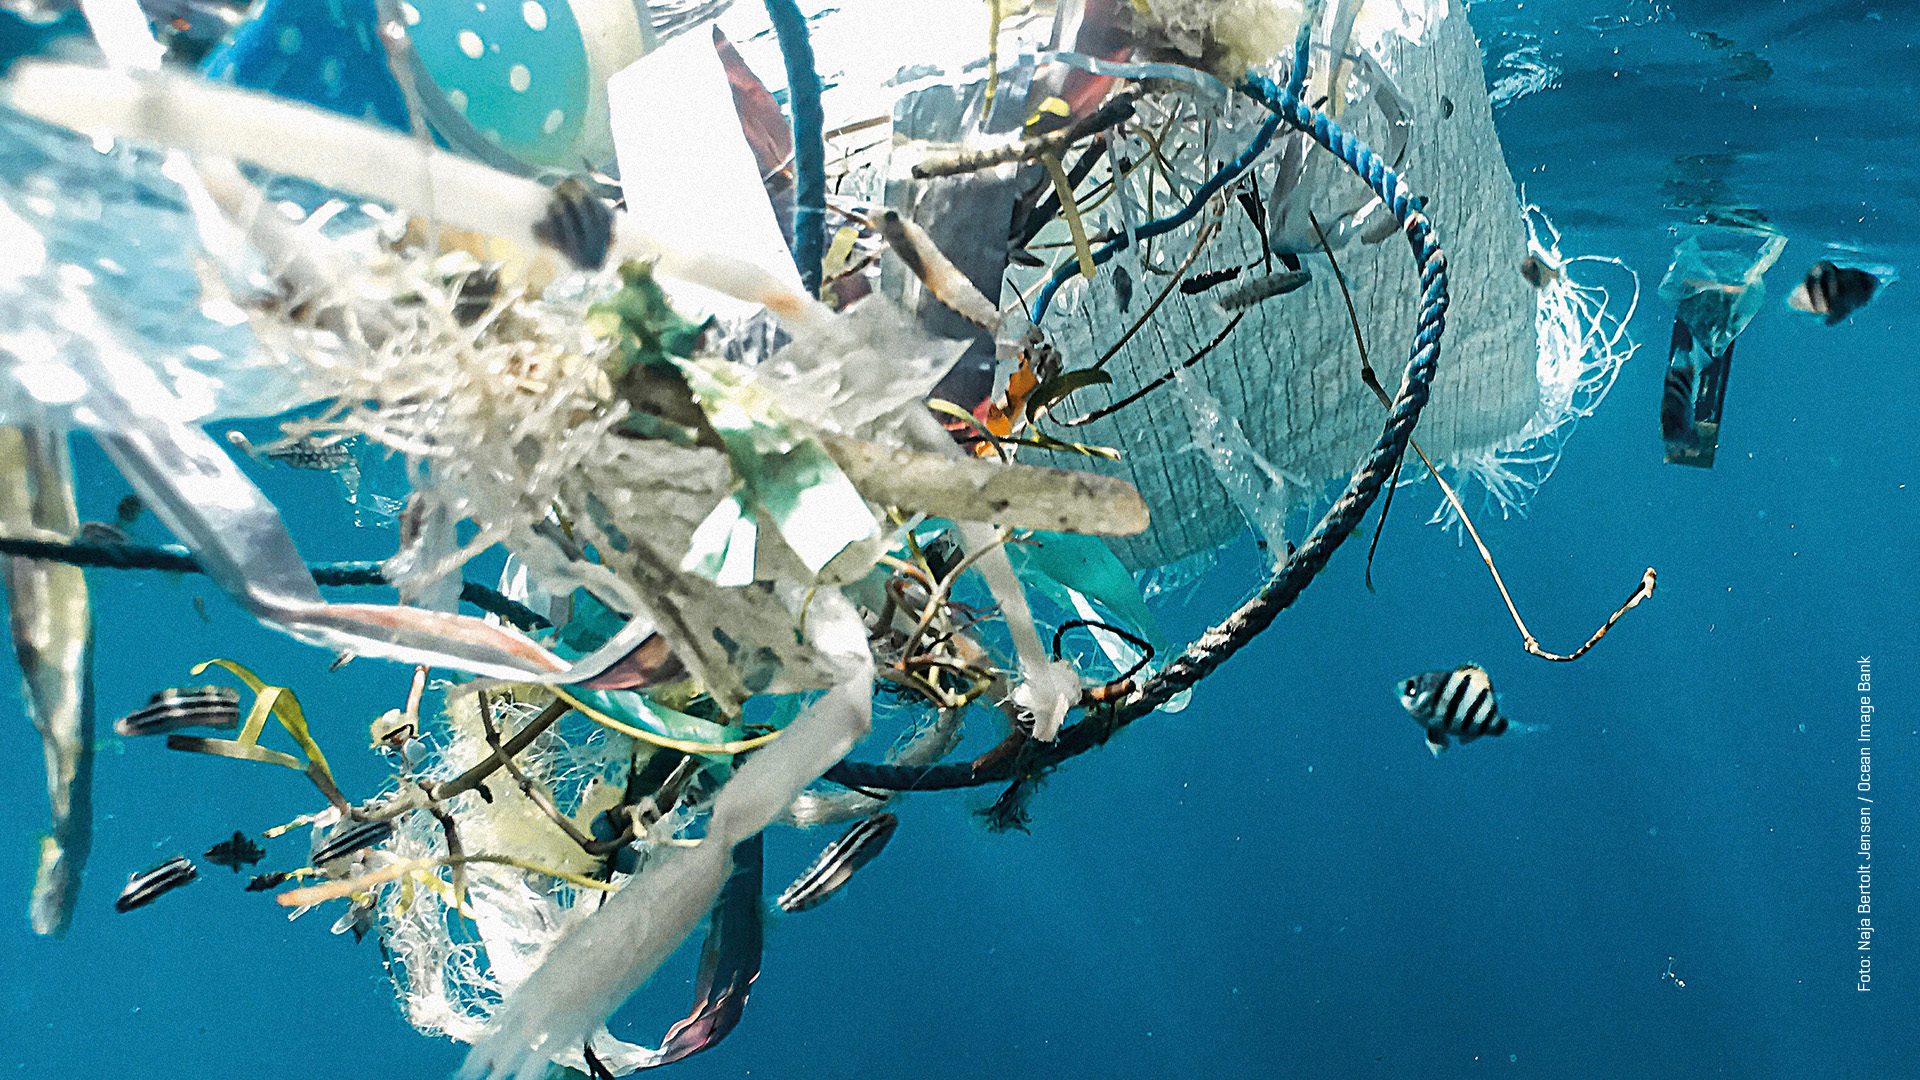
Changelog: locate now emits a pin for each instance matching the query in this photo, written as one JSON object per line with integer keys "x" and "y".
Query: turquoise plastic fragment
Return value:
{"x": 1054, "y": 562}
{"x": 639, "y": 710}
{"x": 591, "y": 625}
{"x": 322, "y": 52}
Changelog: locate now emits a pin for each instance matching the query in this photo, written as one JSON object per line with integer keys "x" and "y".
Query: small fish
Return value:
{"x": 1123, "y": 288}
{"x": 1266, "y": 287}
{"x": 314, "y": 454}
{"x": 200, "y": 609}
{"x": 1833, "y": 291}
{"x": 1538, "y": 272}
{"x": 147, "y": 886}
{"x": 349, "y": 838}
{"x": 263, "y": 882}
{"x": 183, "y": 707}
{"x": 392, "y": 730}
{"x": 1676, "y": 404}
{"x": 1703, "y": 285}
{"x": 476, "y": 294}
{"x": 916, "y": 249}
{"x": 1458, "y": 702}
{"x": 835, "y": 866}
{"x": 1200, "y": 283}
{"x": 235, "y": 852}
{"x": 307, "y": 452}
{"x": 128, "y": 511}
{"x": 1446, "y": 107}
{"x": 577, "y": 225}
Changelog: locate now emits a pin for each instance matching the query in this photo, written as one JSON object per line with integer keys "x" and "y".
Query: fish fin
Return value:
{"x": 1436, "y": 742}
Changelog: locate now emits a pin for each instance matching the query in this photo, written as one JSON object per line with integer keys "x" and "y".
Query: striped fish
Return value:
{"x": 1833, "y": 291}
{"x": 835, "y": 866}
{"x": 183, "y": 707}
{"x": 147, "y": 886}
{"x": 1458, "y": 703}
{"x": 349, "y": 838}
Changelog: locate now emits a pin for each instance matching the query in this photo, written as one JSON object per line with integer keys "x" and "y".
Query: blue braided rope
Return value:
{"x": 809, "y": 147}
{"x": 1292, "y": 577}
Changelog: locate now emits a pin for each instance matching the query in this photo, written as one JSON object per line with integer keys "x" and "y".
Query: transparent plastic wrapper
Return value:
{"x": 1716, "y": 283}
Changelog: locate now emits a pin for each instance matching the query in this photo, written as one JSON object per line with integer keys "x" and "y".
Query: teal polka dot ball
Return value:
{"x": 529, "y": 76}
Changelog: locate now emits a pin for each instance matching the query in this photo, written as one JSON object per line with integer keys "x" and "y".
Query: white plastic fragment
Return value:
{"x": 120, "y": 29}
{"x": 686, "y": 169}
{"x": 1048, "y": 688}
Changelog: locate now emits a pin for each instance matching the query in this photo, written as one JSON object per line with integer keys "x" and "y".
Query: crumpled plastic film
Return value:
{"x": 1715, "y": 283}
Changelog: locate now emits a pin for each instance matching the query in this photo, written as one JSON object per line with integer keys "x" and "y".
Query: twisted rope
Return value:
{"x": 113, "y": 555}
{"x": 1292, "y": 577}
{"x": 809, "y": 145}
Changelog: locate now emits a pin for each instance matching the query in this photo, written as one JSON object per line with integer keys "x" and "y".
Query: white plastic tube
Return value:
{"x": 613, "y": 951}
{"x": 348, "y": 155}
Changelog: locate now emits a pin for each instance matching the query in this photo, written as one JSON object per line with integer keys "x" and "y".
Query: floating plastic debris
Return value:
{"x": 774, "y": 406}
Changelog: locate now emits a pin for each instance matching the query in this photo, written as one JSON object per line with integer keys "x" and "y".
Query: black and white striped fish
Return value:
{"x": 1833, "y": 291}
{"x": 835, "y": 866}
{"x": 183, "y": 707}
{"x": 147, "y": 886}
{"x": 347, "y": 838}
{"x": 1458, "y": 703}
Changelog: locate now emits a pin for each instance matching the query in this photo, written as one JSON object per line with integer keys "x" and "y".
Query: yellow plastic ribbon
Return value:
{"x": 685, "y": 746}
{"x": 280, "y": 703}
{"x": 1063, "y": 186}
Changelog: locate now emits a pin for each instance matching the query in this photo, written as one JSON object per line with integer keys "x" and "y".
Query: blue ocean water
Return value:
{"x": 1279, "y": 881}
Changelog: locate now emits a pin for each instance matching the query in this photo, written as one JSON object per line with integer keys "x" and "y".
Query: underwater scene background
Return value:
{"x": 1656, "y": 881}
